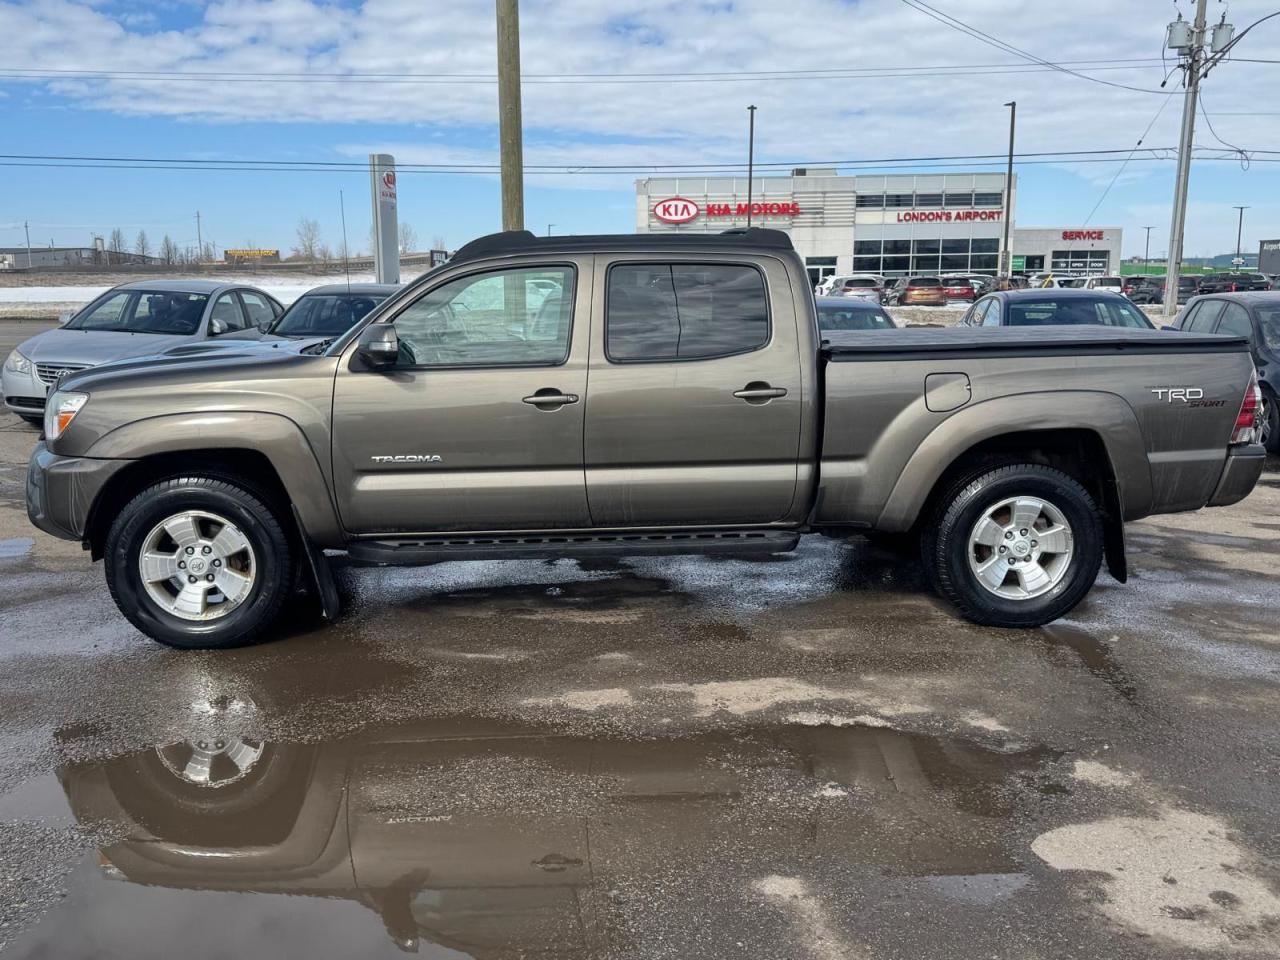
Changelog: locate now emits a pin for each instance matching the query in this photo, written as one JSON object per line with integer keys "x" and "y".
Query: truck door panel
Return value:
{"x": 696, "y": 393}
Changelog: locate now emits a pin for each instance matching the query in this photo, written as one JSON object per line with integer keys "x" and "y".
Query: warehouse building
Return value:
{"x": 891, "y": 225}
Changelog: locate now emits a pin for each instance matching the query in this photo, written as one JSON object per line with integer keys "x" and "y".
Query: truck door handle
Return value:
{"x": 758, "y": 392}
{"x": 550, "y": 399}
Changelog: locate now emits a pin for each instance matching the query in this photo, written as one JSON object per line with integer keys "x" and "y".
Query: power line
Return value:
{"x": 1121, "y": 168}
{"x": 949, "y": 21}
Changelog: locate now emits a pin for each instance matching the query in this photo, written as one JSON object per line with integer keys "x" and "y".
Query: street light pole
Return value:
{"x": 549, "y": 226}
{"x": 1195, "y": 54}
{"x": 1240, "y": 231}
{"x": 1006, "y": 253}
{"x": 751, "y": 156}
{"x": 509, "y": 123}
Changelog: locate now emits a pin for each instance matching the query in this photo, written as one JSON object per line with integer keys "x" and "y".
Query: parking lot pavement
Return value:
{"x": 802, "y": 758}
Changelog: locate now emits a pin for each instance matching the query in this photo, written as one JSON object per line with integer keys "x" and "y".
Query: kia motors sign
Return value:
{"x": 386, "y": 235}
{"x": 675, "y": 210}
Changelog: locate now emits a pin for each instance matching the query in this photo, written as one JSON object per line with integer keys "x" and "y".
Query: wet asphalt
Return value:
{"x": 806, "y": 757}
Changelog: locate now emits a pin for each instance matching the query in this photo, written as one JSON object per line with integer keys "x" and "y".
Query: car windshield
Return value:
{"x": 852, "y": 318}
{"x": 1269, "y": 324}
{"x": 1075, "y": 311}
{"x": 143, "y": 311}
{"x": 325, "y": 314}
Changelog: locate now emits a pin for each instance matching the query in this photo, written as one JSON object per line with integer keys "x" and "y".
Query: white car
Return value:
{"x": 1111, "y": 284}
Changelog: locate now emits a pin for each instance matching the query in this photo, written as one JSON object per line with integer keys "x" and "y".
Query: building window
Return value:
{"x": 866, "y": 264}
{"x": 959, "y": 199}
{"x": 869, "y": 201}
{"x": 896, "y": 264}
{"x": 988, "y": 199}
{"x": 927, "y": 265}
{"x": 899, "y": 201}
{"x": 819, "y": 268}
{"x": 955, "y": 264}
{"x": 926, "y": 246}
{"x": 986, "y": 244}
{"x": 866, "y": 248}
{"x": 1033, "y": 263}
{"x": 896, "y": 248}
{"x": 980, "y": 262}
{"x": 928, "y": 200}
{"x": 956, "y": 247}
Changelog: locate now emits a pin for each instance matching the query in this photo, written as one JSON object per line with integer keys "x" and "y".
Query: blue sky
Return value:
{"x": 653, "y": 122}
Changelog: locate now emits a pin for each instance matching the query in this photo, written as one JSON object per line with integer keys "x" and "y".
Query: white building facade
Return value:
{"x": 890, "y": 225}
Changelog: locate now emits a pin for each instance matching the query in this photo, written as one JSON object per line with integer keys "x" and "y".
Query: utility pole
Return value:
{"x": 751, "y": 156}
{"x": 509, "y": 123}
{"x": 1146, "y": 251}
{"x": 26, "y": 228}
{"x": 199, "y": 240}
{"x": 549, "y": 226}
{"x": 1239, "y": 233}
{"x": 1194, "y": 53}
{"x": 1006, "y": 253}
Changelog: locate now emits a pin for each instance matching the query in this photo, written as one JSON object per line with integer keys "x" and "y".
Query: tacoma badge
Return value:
{"x": 408, "y": 458}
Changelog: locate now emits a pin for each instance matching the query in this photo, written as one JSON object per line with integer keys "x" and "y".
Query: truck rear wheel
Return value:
{"x": 1018, "y": 546}
{"x": 199, "y": 563}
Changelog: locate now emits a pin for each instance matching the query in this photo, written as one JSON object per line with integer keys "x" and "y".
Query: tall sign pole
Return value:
{"x": 751, "y": 156}
{"x": 1006, "y": 252}
{"x": 1194, "y": 53}
{"x": 509, "y": 122}
{"x": 1239, "y": 235}
{"x": 386, "y": 241}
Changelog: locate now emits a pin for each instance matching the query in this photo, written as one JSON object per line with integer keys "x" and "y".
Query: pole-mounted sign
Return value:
{"x": 386, "y": 235}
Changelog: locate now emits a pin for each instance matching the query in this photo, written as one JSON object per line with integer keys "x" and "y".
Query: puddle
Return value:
{"x": 38, "y": 799}
{"x": 456, "y": 838}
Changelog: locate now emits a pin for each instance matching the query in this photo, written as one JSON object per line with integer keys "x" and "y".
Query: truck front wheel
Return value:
{"x": 1018, "y": 546}
{"x": 199, "y": 562}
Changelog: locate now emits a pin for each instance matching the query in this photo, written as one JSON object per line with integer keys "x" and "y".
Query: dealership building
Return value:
{"x": 891, "y": 225}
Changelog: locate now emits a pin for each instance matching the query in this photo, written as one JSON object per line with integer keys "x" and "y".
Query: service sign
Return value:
{"x": 1082, "y": 235}
{"x": 675, "y": 210}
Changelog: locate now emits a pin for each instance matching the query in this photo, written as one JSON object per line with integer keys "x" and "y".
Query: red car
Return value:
{"x": 958, "y": 288}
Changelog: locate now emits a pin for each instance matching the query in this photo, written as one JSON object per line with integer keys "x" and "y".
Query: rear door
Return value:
{"x": 695, "y": 397}
{"x": 479, "y": 424}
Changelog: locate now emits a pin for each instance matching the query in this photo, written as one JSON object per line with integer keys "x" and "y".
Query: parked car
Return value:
{"x": 1152, "y": 290}
{"x": 449, "y": 425}
{"x": 136, "y": 319}
{"x": 865, "y": 286}
{"x": 1112, "y": 284}
{"x": 1055, "y": 308}
{"x": 850, "y": 313}
{"x": 1233, "y": 282}
{"x": 959, "y": 290}
{"x": 1132, "y": 282}
{"x": 1255, "y": 316}
{"x": 917, "y": 292}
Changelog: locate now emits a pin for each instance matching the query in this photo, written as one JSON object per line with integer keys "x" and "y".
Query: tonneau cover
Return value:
{"x": 845, "y": 345}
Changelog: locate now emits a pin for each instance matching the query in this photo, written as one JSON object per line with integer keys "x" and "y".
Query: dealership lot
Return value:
{"x": 807, "y": 757}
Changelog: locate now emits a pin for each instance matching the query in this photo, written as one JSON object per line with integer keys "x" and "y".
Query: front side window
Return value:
{"x": 1269, "y": 326}
{"x": 258, "y": 307}
{"x": 227, "y": 311}
{"x": 1204, "y": 318}
{"x": 684, "y": 311}
{"x": 146, "y": 311}
{"x": 1235, "y": 321}
{"x": 992, "y": 317}
{"x": 505, "y": 318}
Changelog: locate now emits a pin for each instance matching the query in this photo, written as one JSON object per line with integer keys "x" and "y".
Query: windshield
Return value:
{"x": 325, "y": 315}
{"x": 851, "y": 318}
{"x": 1076, "y": 311}
{"x": 143, "y": 311}
{"x": 1269, "y": 324}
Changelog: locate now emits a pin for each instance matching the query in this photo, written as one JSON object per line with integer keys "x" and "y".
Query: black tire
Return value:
{"x": 34, "y": 421}
{"x": 245, "y": 506}
{"x": 945, "y": 544}
{"x": 1271, "y": 424}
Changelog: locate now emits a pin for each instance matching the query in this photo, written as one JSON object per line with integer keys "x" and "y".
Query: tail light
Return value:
{"x": 1246, "y": 429}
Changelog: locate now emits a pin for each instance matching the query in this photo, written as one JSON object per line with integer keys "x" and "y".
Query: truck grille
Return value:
{"x": 50, "y": 372}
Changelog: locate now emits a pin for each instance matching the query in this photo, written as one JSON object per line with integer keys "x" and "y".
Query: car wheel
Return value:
{"x": 1269, "y": 417}
{"x": 199, "y": 562}
{"x": 1017, "y": 546}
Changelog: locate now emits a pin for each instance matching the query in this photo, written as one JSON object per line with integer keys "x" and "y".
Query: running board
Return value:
{"x": 420, "y": 550}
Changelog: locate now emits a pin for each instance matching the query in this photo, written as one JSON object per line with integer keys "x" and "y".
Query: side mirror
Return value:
{"x": 264, "y": 326}
{"x": 379, "y": 346}
{"x": 217, "y": 327}
{"x": 64, "y": 318}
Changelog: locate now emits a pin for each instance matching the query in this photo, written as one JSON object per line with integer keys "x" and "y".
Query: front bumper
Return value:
{"x": 23, "y": 393}
{"x": 1239, "y": 475}
{"x": 61, "y": 490}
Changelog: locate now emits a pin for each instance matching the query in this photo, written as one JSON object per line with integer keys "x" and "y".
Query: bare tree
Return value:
{"x": 437, "y": 242}
{"x": 116, "y": 245}
{"x": 408, "y": 237}
{"x": 168, "y": 250}
{"x": 323, "y": 253}
{"x": 308, "y": 234}
{"x": 141, "y": 245}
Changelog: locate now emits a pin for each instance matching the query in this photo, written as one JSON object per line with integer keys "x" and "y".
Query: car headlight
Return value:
{"x": 59, "y": 410}
{"x": 17, "y": 363}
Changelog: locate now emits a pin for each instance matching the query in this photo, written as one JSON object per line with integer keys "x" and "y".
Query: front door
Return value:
{"x": 696, "y": 393}
{"x": 478, "y": 426}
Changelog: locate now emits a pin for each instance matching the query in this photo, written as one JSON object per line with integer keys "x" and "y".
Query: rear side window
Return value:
{"x": 1235, "y": 321}
{"x": 658, "y": 311}
{"x": 1204, "y": 318}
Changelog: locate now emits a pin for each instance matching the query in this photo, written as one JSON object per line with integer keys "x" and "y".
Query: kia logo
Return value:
{"x": 675, "y": 210}
{"x": 389, "y": 179}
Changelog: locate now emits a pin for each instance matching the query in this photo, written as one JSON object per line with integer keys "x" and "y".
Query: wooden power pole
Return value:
{"x": 509, "y": 122}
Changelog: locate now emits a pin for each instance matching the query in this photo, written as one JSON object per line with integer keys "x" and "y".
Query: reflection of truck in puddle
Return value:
{"x": 506, "y": 841}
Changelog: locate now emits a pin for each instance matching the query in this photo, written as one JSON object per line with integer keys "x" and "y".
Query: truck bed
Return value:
{"x": 853, "y": 345}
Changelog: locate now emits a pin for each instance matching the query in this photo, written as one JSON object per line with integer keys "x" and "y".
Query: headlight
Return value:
{"x": 17, "y": 363}
{"x": 60, "y": 410}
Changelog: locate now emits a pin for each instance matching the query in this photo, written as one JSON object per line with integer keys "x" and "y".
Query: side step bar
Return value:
{"x": 420, "y": 550}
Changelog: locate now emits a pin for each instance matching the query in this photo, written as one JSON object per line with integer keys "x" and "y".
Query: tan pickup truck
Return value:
{"x": 623, "y": 395}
